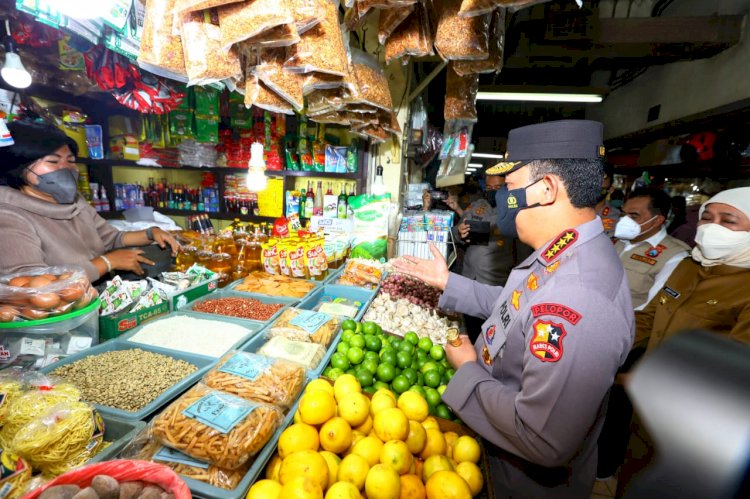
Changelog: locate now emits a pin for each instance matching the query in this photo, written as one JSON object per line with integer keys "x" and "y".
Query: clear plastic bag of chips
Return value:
{"x": 258, "y": 94}
{"x": 493, "y": 63}
{"x": 321, "y": 48}
{"x": 307, "y": 13}
{"x": 303, "y": 353}
{"x": 372, "y": 85}
{"x": 185, "y": 6}
{"x": 460, "y": 38}
{"x": 240, "y": 21}
{"x": 204, "y": 60}
{"x": 390, "y": 19}
{"x": 283, "y": 35}
{"x": 161, "y": 50}
{"x": 412, "y": 37}
{"x": 287, "y": 85}
{"x": 305, "y": 325}
{"x": 471, "y": 8}
{"x": 460, "y": 96}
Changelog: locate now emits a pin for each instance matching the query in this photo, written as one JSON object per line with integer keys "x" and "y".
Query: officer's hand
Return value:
{"x": 463, "y": 231}
{"x": 433, "y": 272}
{"x": 461, "y": 354}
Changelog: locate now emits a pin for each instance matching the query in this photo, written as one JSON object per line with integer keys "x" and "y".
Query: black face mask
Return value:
{"x": 509, "y": 205}
{"x": 490, "y": 197}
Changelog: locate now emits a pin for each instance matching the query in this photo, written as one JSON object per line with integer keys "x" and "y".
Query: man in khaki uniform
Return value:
{"x": 648, "y": 254}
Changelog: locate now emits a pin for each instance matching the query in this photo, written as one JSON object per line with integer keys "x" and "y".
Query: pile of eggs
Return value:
{"x": 36, "y": 297}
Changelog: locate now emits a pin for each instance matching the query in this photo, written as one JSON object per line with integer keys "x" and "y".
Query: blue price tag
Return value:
{"x": 246, "y": 365}
{"x": 310, "y": 321}
{"x": 222, "y": 412}
{"x": 167, "y": 455}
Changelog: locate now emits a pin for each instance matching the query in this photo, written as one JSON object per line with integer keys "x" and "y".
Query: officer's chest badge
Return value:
{"x": 532, "y": 282}
{"x": 486, "y": 357}
{"x": 515, "y": 300}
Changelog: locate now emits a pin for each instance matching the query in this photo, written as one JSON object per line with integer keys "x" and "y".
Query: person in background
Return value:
{"x": 617, "y": 199}
{"x": 608, "y": 212}
{"x": 680, "y": 227}
{"x": 45, "y": 222}
{"x": 709, "y": 291}
{"x": 535, "y": 383}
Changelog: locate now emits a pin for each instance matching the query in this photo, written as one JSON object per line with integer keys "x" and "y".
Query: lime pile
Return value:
{"x": 379, "y": 360}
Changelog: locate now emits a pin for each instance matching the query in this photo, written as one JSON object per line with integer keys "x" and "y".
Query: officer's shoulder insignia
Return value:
{"x": 608, "y": 223}
{"x": 516, "y": 298}
{"x": 549, "y": 269}
{"x": 547, "y": 341}
{"x": 532, "y": 282}
{"x": 643, "y": 259}
{"x": 561, "y": 243}
{"x": 486, "y": 357}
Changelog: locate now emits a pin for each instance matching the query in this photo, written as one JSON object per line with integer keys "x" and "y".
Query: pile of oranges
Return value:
{"x": 344, "y": 445}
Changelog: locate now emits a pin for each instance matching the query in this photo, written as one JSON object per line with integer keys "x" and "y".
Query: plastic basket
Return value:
{"x": 226, "y": 293}
{"x": 119, "y": 432}
{"x": 362, "y": 295}
{"x": 202, "y": 363}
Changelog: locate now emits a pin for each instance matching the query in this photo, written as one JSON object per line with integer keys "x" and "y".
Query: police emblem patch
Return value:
{"x": 563, "y": 242}
{"x": 655, "y": 251}
{"x": 546, "y": 342}
{"x": 532, "y": 282}
{"x": 515, "y": 300}
{"x": 490, "y": 334}
{"x": 512, "y": 202}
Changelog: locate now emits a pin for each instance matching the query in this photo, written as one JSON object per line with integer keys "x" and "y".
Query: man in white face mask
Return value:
{"x": 648, "y": 254}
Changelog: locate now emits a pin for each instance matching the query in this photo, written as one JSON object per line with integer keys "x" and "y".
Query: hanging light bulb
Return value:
{"x": 13, "y": 71}
{"x": 378, "y": 186}
{"x": 84, "y": 9}
{"x": 256, "y": 169}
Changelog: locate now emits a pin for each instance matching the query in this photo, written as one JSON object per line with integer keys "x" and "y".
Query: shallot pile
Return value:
{"x": 412, "y": 290}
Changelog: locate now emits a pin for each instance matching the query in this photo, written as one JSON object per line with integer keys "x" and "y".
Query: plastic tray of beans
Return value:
{"x": 331, "y": 293}
{"x": 235, "y": 309}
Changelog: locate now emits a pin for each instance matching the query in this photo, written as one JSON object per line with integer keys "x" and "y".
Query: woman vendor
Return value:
{"x": 45, "y": 222}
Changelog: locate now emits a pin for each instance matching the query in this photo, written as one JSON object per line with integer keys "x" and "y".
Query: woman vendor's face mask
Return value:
{"x": 717, "y": 242}
{"x": 61, "y": 184}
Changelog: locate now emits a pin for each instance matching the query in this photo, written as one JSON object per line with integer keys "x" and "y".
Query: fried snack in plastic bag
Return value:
{"x": 270, "y": 70}
{"x": 185, "y": 6}
{"x": 63, "y": 438}
{"x": 240, "y": 21}
{"x": 471, "y": 8}
{"x": 204, "y": 61}
{"x": 494, "y": 63}
{"x": 413, "y": 37}
{"x": 283, "y": 35}
{"x": 15, "y": 475}
{"x": 460, "y": 96}
{"x": 325, "y": 101}
{"x": 274, "y": 285}
{"x": 390, "y": 20}
{"x": 259, "y": 95}
{"x": 307, "y": 14}
{"x": 322, "y": 81}
{"x": 161, "y": 50}
{"x": 321, "y": 48}
{"x": 257, "y": 378}
{"x": 305, "y": 354}
{"x": 214, "y": 426}
{"x": 304, "y": 325}
{"x": 460, "y": 38}
{"x": 372, "y": 85}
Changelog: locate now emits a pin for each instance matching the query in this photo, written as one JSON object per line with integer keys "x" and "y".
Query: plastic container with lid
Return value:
{"x": 36, "y": 344}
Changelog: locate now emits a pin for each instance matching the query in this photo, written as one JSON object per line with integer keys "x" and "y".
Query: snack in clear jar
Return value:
{"x": 257, "y": 378}
{"x": 270, "y": 70}
{"x": 275, "y": 285}
{"x": 259, "y": 95}
{"x": 460, "y": 96}
{"x": 204, "y": 61}
{"x": 493, "y": 63}
{"x": 321, "y": 48}
{"x": 460, "y": 38}
{"x": 390, "y": 19}
{"x": 240, "y": 21}
{"x": 305, "y": 354}
{"x": 161, "y": 50}
{"x": 217, "y": 427}
{"x": 412, "y": 37}
{"x": 304, "y": 325}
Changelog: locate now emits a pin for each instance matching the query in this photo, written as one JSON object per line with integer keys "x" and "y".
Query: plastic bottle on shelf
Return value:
{"x": 310, "y": 201}
{"x": 318, "y": 205}
{"x": 341, "y": 207}
{"x": 103, "y": 199}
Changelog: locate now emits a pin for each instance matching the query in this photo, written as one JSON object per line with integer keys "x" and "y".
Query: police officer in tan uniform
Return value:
{"x": 535, "y": 383}
{"x": 648, "y": 254}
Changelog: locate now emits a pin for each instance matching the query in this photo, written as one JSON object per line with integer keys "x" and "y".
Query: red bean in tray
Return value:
{"x": 245, "y": 308}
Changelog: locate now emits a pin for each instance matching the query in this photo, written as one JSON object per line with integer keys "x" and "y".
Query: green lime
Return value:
{"x": 388, "y": 357}
{"x": 420, "y": 363}
{"x": 379, "y": 385}
{"x": 437, "y": 352}
{"x": 424, "y": 344}
{"x": 441, "y": 369}
{"x": 432, "y": 396}
{"x": 403, "y": 359}
{"x": 428, "y": 366}
{"x": 441, "y": 389}
{"x": 357, "y": 341}
{"x": 449, "y": 373}
{"x": 346, "y": 335}
{"x": 355, "y": 355}
{"x": 445, "y": 363}
{"x": 373, "y": 343}
{"x": 445, "y": 378}
{"x": 340, "y": 360}
{"x": 370, "y": 389}
{"x": 419, "y": 390}
{"x": 342, "y": 347}
{"x": 420, "y": 379}
{"x": 358, "y": 329}
{"x": 370, "y": 365}
{"x": 410, "y": 374}
{"x": 372, "y": 356}
{"x": 386, "y": 372}
{"x": 370, "y": 327}
{"x": 421, "y": 354}
{"x": 442, "y": 411}
{"x": 364, "y": 376}
{"x": 400, "y": 384}
{"x": 432, "y": 379}
{"x": 398, "y": 370}
{"x": 348, "y": 325}
{"x": 334, "y": 373}
{"x": 351, "y": 371}
{"x": 406, "y": 346}
{"x": 327, "y": 371}
{"x": 411, "y": 337}
{"x": 378, "y": 330}
{"x": 396, "y": 342}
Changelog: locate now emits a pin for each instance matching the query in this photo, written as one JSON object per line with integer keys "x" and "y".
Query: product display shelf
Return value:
{"x": 202, "y": 363}
{"x": 364, "y": 296}
{"x": 120, "y": 432}
{"x": 253, "y": 328}
{"x": 227, "y": 293}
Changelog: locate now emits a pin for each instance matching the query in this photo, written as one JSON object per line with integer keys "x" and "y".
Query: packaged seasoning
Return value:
{"x": 296, "y": 256}
{"x": 270, "y": 257}
{"x": 283, "y": 250}
{"x": 460, "y": 38}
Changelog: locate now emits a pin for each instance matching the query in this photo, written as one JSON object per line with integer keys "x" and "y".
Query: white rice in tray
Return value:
{"x": 186, "y": 334}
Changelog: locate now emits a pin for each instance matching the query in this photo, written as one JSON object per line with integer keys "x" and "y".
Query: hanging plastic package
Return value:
{"x": 370, "y": 228}
{"x": 161, "y": 50}
{"x": 205, "y": 63}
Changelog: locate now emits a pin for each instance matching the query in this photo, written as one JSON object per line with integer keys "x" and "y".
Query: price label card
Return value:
{"x": 222, "y": 412}
{"x": 246, "y": 365}
{"x": 310, "y": 321}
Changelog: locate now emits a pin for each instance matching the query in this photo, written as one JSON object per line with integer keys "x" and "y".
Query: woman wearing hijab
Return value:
{"x": 45, "y": 222}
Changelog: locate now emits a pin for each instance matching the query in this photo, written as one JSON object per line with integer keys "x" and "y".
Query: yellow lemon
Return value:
{"x": 386, "y": 391}
{"x": 434, "y": 445}
{"x": 301, "y": 488}
{"x": 369, "y": 448}
{"x": 414, "y": 406}
{"x": 471, "y": 473}
{"x": 305, "y": 463}
{"x": 396, "y": 454}
{"x": 465, "y": 449}
{"x": 317, "y": 407}
{"x": 381, "y": 401}
{"x": 356, "y": 437}
{"x": 450, "y": 438}
{"x": 418, "y": 467}
{"x": 417, "y": 438}
{"x": 297, "y": 417}
{"x": 447, "y": 485}
{"x": 382, "y": 483}
{"x": 343, "y": 490}
{"x": 354, "y": 408}
{"x": 430, "y": 422}
{"x": 319, "y": 384}
{"x": 365, "y": 427}
{"x": 433, "y": 464}
{"x": 346, "y": 383}
{"x": 411, "y": 487}
{"x": 297, "y": 437}
{"x": 336, "y": 435}
{"x": 333, "y": 461}
{"x": 391, "y": 424}
{"x": 264, "y": 489}
{"x": 353, "y": 469}
{"x": 272, "y": 468}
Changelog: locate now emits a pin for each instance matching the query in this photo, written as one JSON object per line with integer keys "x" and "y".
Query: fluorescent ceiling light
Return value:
{"x": 478, "y": 165}
{"x": 486, "y": 155}
{"x": 539, "y": 97}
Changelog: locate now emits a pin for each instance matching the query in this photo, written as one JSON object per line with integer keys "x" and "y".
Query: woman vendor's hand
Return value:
{"x": 128, "y": 259}
{"x": 162, "y": 238}
{"x": 433, "y": 272}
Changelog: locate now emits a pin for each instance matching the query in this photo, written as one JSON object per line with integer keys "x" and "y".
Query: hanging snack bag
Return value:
{"x": 270, "y": 70}
{"x": 472, "y": 8}
{"x": 460, "y": 96}
{"x": 243, "y": 20}
{"x": 390, "y": 20}
{"x": 259, "y": 95}
{"x": 372, "y": 85}
{"x": 283, "y": 35}
{"x": 185, "y": 6}
{"x": 321, "y": 48}
{"x": 216, "y": 427}
{"x": 204, "y": 61}
{"x": 307, "y": 14}
{"x": 161, "y": 50}
{"x": 460, "y": 38}
{"x": 494, "y": 63}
